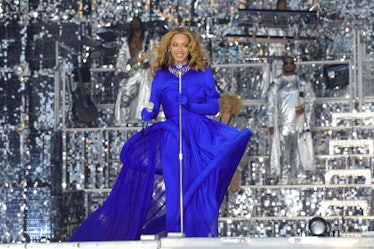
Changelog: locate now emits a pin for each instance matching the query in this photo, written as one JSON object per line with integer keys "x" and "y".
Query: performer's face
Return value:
{"x": 136, "y": 24}
{"x": 179, "y": 48}
{"x": 227, "y": 106}
{"x": 289, "y": 66}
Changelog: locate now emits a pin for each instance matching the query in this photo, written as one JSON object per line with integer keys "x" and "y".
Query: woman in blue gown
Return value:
{"x": 146, "y": 198}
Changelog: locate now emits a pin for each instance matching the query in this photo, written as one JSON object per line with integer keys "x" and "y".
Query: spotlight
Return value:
{"x": 319, "y": 227}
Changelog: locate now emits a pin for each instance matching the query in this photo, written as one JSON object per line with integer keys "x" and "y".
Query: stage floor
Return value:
{"x": 151, "y": 242}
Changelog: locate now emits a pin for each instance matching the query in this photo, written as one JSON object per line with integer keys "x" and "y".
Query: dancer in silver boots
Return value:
{"x": 290, "y": 102}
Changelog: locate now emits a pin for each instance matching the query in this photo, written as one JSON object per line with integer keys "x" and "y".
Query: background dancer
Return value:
{"x": 290, "y": 103}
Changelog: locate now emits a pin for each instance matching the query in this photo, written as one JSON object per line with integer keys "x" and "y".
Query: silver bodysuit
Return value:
{"x": 284, "y": 94}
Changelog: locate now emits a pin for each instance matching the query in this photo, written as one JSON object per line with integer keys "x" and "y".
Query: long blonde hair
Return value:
{"x": 197, "y": 59}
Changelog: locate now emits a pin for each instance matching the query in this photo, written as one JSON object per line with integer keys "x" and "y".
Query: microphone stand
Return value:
{"x": 180, "y": 152}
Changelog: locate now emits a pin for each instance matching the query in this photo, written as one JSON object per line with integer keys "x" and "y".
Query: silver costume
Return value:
{"x": 135, "y": 88}
{"x": 238, "y": 122}
{"x": 284, "y": 94}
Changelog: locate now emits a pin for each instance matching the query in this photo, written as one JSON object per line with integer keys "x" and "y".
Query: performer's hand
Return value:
{"x": 146, "y": 65}
{"x": 147, "y": 116}
{"x": 299, "y": 110}
{"x": 121, "y": 75}
{"x": 182, "y": 99}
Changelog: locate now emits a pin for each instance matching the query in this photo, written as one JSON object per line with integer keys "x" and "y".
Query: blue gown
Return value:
{"x": 145, "y": 196}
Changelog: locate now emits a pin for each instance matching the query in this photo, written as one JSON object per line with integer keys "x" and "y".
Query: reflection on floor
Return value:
{"x": 150, "y": 242}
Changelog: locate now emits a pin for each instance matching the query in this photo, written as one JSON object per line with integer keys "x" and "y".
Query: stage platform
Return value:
{"x": 210, "y": 243}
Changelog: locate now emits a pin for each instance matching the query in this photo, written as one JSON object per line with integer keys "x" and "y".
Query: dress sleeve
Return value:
{"x": 211, "y": 105}
{"x": 155, "y": 95}
{"x": 123, "y": 59}
{"x": 210, "y": 85}
{"x": 309, "y": 102}
{"x": 310, "y": 97}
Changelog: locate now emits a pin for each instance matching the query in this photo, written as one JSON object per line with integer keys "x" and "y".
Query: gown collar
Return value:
{"x": 179, "y": 71}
